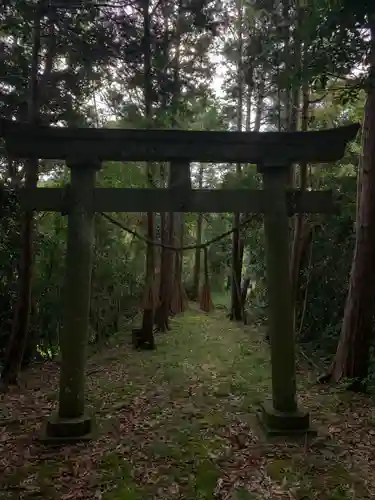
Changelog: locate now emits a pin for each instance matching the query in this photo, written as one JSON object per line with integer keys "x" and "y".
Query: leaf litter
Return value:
{"x": 179, "y": 423}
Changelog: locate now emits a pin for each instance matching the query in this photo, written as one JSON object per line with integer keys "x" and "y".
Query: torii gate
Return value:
{"x": 84, "y": 149}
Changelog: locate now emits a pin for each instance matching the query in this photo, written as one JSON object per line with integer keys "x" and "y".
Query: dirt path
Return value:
{"x": 178, "y": 423}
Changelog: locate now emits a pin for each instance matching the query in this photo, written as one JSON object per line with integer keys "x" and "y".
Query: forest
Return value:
{"x": 136, "y": 347}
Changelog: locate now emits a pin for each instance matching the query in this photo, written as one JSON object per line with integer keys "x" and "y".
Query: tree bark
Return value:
{"x": 299, "y": 222}
{"x": 178, "y": 299}
{"x": 162, "y": 312}
{"x": 245, "y": 287}
{"x": 150, "y": 291}
{"x": 20, "y": 328}
{"x": 353, "y": 350}
{"x": 198, "y": 241}
{"x": 286, "y": 61}
{"x": 249, "y": 96}
{"x": 236, "y": 309}
{"x": 259, "y": 106}
{"x": 299, "y": 81}
{"x": 257, "y": 123}
{"x": 236, "y": 306}
{"x": 147, "y": 332}
{"x": 171, "y": 272}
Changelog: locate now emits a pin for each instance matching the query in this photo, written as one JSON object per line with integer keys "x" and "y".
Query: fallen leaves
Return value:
{"x": 179, "y": 424}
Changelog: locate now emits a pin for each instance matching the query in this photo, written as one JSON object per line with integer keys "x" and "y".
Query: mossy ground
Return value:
{"x": 179, "y": 423}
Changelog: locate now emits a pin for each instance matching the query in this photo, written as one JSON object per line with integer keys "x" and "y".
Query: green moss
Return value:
{"x": 280, "y": 469}
{"x": 315, "y": 479}
{"x": 243, "y": 494}
{"x": 161, "y": 450}
{"x": 206, "y": 477}
{"x": 116, "y": 471}
{"x": 170, "y": 418}
{"x": 124, "y": 492}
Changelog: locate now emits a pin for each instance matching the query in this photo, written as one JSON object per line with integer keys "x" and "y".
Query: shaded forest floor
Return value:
{"x": 179, "y": 423}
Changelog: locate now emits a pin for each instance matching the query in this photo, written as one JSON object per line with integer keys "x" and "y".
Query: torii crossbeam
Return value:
{"x": 85, "y": 149}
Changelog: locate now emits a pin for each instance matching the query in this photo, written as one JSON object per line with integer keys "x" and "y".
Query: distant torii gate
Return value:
{"x": 85, "y": 149}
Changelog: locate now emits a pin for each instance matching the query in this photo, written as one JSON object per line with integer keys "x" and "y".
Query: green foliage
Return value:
{"x": 80, "y": 49}
{"x": 117, "y": 279}
{"x": 325, "y": 278}
{"x": 176, "y": 85}
{"x": 76, "y": 49}
{"x": 117, "y": 269}
{"x": 9, "y": 257}
{"x": 48, "y": 281}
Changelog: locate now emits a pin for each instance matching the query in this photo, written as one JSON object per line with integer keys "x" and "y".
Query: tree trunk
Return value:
{"x": 245, "y": 287}
{"x": 294, "y": 90}
{"x": 248, "y": 106}
{"x": 286, "y": 60}
{"x": 359, "y": 180}
{"x": 298, "y": 240}
{"x": 178, "y": 302}
{"x": 236, "y": 306}
{"x": 161, "y": 314}
{"x": 353, "y": 351}
{"x": 169, "y": 277}
{"x": 297, "y": 221}
{"x": 147, "y": 332}
{"x": 236, "y": 309}
{"x": 20, "y": 328}
{"x": 198, "y": 241}
{"x": 150, "y": 288}
{"x": 166, "y": 276}
{"x": 259, "y": 106}
{"x": 258, "y": 117}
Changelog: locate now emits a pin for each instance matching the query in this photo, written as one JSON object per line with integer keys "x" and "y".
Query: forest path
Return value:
{"x": 179, "y": 423}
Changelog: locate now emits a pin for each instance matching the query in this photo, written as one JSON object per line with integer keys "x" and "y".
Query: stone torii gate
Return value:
{"x": 85, "y": 149}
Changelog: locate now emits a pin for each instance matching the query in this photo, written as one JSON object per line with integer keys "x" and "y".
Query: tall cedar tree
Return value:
{"x": 353, "y": 351}
{"x": 150, "y": 295}
{"x": 236, "y": 306}
{"x": 168, "y": 221}
{"x": 20, "y": 327}
{"x": 198, "y": 241}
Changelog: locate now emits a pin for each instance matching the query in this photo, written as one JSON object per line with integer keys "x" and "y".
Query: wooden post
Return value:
{"x": 71, "y": 422}
{"x": 283, "y": 416}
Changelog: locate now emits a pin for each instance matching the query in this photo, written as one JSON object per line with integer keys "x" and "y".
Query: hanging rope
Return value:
{"x": 156, "y": 243}
{"x": 206, "y": 303}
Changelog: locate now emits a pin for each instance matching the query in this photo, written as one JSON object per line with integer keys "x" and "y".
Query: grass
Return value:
{"x": 221, "y": 299}
{"x": 178, "y": 423}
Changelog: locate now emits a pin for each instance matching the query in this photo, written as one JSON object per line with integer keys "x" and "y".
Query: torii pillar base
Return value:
{"x": 59, "y": 430}
{"x": 277, "y": 423}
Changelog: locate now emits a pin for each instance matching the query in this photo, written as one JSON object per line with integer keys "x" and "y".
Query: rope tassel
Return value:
{"x": 205, "y": 298}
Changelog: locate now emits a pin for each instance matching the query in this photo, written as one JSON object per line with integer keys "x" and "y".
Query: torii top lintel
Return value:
{"x": 24, "y": 140}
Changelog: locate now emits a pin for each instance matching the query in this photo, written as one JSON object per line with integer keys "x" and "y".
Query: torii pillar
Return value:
{"x": 282, "y": 416}
{"x": 273, "y": 152}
